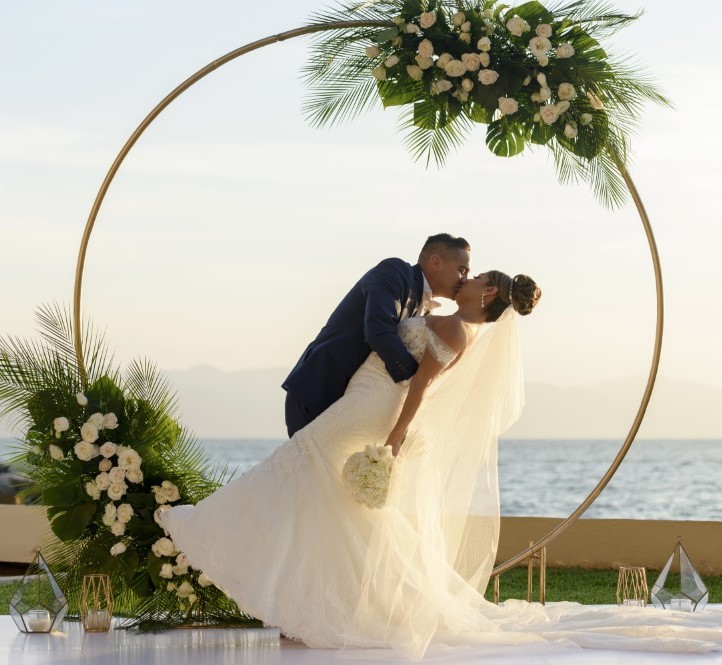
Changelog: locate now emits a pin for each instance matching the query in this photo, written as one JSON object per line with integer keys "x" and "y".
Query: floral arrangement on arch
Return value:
{"x": 106, "y": 457}
{"x": 534, "y": 76}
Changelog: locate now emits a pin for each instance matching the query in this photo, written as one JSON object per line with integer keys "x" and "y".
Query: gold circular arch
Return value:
{"x": 232, "y": 55}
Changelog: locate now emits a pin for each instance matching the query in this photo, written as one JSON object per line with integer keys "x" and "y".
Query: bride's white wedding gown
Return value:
{"x": 291, "y": 546}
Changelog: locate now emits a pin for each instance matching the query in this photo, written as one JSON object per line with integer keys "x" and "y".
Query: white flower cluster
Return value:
{"x": 166, "y": 492}
{"x": 367, "y": 475}
{"x": 445, "y": 73}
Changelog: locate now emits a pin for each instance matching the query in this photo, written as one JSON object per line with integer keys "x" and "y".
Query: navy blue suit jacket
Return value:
{"x": 366, "y": 320}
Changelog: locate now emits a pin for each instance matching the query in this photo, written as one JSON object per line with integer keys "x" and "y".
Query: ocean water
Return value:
{"x": 667, "y": 479}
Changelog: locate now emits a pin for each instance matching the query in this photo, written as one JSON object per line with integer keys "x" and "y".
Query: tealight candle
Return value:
{"x": 38, "y": 621}
{"x": 633, "y": 602}
{"x": 97, "y": 620}
{"x": 681, "y": 604}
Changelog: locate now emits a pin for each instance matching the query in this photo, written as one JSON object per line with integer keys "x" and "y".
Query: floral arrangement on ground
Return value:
{"x": 535, "y": 76}
{"x": 106, "y": 456}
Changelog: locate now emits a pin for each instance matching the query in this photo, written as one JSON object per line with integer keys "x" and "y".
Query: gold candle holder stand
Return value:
{"x": 632, "y": 586}
{"x": 96, "y": 603}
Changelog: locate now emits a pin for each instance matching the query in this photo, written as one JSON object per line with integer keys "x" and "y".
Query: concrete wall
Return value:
{"x": 588, "y": 543}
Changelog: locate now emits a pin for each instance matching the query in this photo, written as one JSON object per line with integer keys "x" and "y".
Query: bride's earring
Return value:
{"x": 482, "y": 301}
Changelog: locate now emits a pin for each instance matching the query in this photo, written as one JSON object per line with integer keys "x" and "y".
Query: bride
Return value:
{"x": 289, "y": 543}
{"x": 292, "y": 547}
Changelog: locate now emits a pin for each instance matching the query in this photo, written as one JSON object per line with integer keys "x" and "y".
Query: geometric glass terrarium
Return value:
{"x": 679, "y": 586}
{"x": 38, "y": 605}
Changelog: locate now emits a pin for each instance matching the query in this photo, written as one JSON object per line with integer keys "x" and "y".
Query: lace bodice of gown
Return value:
{"x": 417, "y": 336}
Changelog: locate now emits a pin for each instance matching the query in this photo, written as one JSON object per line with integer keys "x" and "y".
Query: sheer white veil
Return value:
{"x": 434, "y": 544}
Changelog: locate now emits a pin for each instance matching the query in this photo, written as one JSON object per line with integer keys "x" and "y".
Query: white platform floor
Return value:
{"x": 225, "y": 647}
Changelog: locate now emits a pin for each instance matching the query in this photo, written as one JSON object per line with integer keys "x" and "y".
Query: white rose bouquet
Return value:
{"x": 367, "y": 475}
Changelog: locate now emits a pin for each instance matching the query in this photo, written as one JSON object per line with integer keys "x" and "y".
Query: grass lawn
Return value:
{"x": 588, "y": 587}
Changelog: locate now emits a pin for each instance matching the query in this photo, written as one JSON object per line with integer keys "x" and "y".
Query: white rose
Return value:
{"x": 467, "y": 85}
{"x": 565, "y": 51}
{"x": 180, "y": 570}
{"x": 56, "y": 452}
{"x": 116, "y": 474}
{"x": 117, "y": 549}
{"x": 97, "y": 420}
{"x": 537, "y": 117}
{"x": 594, "y": 101}
{"x": 110, "y": 421}
{"x": 379, "y": 73}
{"x": 484, "y": 59}
{"x": 105, "y": 465}
{"x": 517, "y": 26}
{"x": 562, "y": 107}
{"x": 61, "y": 424}
{"x": 36, "y": 449}
{"x": 542, "y": 79}
{"x": 89, "y": 432}
{"x": 170, "y": 491}
{"x": 427, "y": 19}
{"x": 488, "y": 13}
{"x": 166, "y": 571}
{"x": 159, "y": 495}
{"x": 398, "y": 20}
{"x": 117, "y": 490}
{"x": 185, "y": 589}
{"x": 134, "y": 476}
{"x": 373, "y": 51}
{"x": 543, "y": 60}
{"x": 484, "y": 44}
{"x": 543, "y": 30}
{"x": 102, "y": 480}
{"x": 508, "y": 106}
{"x": 539, "y": 46}
{"x": 471, "y": 61}
{"x": 110, "y": 514}
{"x": 586, "y": 118}
{"x": 458, "y": 19}
{"x": 455, "y": 68}
{"x": 108, "y": 449}
{"x": 545, "y": 94}
{"x": 92, "y": 490}
{"x": 526, "y": 81}
{"x": 204, "y": 580}
{"x": 192, "y": 599}
{"x": 397, "y": 41}
{"x": 462, "y": 96}
{"x": 157, "y": 513}
{"x": 170, "y": 586}
{"x": 566, "y": 91}
{"x": 117, "y": 528}
{"x": 488, "y": 76}
{"x": 412, "y": 28}
{"x": 444, "y": 59}
{"x": 570, "y": 130}
{"x": 465, "y": 37}
{"x": 426, "y": 48}
{"x": 423, "y": 63}
{"x": 442, "y": 85}
{"x": 549, "y": 114}
{"x": 164, "y": 547}
{"x": 182, "y": 560}
{"x": 466, "y": 26}
{"x": 85, "y": 451}
{"x": 82, "y": 399}
{"x": 128, "y": 458}
{"x": 415, "y": 72}
{"x": 391, "y": 61}
{"x": 125, "y": 512}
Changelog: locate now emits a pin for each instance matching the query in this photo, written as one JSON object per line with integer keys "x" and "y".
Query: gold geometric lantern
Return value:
{"x": 96, "y": 603}
{"x": 632, "y": 586}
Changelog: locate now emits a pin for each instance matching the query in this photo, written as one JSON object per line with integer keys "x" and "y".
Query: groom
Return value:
{"x": 366, "y": 320}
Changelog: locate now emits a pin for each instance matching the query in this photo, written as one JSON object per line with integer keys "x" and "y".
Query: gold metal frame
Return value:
{"x": 532, "y": 550}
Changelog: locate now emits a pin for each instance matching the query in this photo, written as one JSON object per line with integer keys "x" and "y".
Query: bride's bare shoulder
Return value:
{"x": 451, "y": 330}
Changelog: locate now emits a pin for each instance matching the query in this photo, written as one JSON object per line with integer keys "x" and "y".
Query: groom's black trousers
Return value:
{"x": 297, "y": 416}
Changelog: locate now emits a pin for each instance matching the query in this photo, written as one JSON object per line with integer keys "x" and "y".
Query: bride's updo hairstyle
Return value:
{"x": 525, "y": 294}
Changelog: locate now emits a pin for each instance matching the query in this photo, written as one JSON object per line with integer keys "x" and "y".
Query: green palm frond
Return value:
{"x": 597, "y": 16}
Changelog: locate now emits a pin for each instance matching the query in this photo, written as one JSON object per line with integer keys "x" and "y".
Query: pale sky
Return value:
{"x": 233, "y": 228}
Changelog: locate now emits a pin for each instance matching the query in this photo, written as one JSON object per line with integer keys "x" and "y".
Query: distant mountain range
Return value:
{"x": 249, "y": 404}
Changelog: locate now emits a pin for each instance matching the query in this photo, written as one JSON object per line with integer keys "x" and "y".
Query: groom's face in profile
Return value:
{"x": 451, "y": 273}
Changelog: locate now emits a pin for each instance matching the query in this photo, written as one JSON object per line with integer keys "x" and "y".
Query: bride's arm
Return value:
{"x": 451, "y": 331}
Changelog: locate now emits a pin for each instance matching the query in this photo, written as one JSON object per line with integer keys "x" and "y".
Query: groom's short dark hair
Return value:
{"x": 443, "y": 244}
